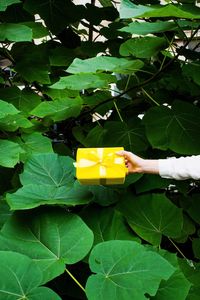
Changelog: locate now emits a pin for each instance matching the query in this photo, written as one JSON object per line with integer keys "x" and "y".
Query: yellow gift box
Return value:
{"x": 100, "y": 166}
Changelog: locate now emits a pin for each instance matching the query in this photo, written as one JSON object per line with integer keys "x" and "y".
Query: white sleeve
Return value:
{"x": 180, "y": 168}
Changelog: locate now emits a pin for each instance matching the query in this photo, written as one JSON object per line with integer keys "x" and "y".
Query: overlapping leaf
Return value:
{"x": 21, "y": 278}
{"x": 176, "y": 128}
{"x": 144, "y": 47}
{"x": 51, "y": 237}
{"x": 105, "y": 63}
{"x": 125, "y": 270}
{"x": 107, "y": 224}
{"x": 48, "y": 179}
{"x": 9, "y": 153}
{"x": 15, "y": 33}
{"x": 84, "y": 81}
{"x": 152, "y": 216}
{"x": 4, "y": 4}
{"x": 59, "y": 109}
{"x": 131, "y": 10}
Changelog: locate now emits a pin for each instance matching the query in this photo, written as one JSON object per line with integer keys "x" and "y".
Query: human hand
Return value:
{"x": 136, "y": 164}
{"x": 133, "y": 163}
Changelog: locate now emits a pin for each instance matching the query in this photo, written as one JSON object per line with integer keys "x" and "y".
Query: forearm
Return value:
{"x": 180, "y": 168}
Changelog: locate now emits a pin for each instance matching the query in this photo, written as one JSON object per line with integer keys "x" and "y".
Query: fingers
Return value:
{"x": 127, "y": 155}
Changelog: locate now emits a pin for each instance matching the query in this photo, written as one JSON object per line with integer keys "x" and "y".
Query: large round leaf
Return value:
{"x": 107, "y": 224}
{"x": 130, "y": 136}
{"x": 152, "y": 215}
{"x": 51, "y": 237}
{"x": 48, "y": 179}
{"x": 125, "y": 270}
{"x": 20, "y": 278}
{"x": 176, "y": 128}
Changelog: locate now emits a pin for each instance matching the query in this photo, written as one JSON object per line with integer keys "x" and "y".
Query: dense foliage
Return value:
{"x": 62, "y": 65}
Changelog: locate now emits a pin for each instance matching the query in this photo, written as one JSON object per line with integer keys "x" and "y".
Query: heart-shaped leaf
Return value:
{"x": 48, "y": 179}
{"x": 125, "y": 270}
{"x": 59, "y": 109}
{"x": 51, "y": 237}
{"x": 152, "y": 215}
{"x": 176, "y": 128}
{"x": 21, "y": 278}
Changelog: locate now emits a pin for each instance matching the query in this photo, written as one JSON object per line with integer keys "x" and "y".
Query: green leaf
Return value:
{"x": 177, "y": 286}
{"x": 128, "y": 135}
{"x": 32, "y": 195}
{"x": 105, "y": 63}
{"x": 179, "y": 127}
{"x": 107, "y": 224}
{"x": 15, "y": 33}
{"x": 48, "y": 179}
{"x": 152, "y": 216}
{"x": 38, "y": 30}
{"x": 7, "y": 109}
{"x": 143, "y": 28}
{"x": 13, "y": 122}
{"x": 5, "y": 3}
{"x": 4, "y": 212}
{"x": 51, "y": 237}
{"x": 21, "y": 278}
{"x": 61, "y": 56}
{"x": 37, "y": 72}
{"x": 35, "y": 143}
{"x": 48, "y": 169}
{"x": 59, "y": 109}
{"x": 24, "y": 100}
{"x": 32, "y": 62}
{"x": 130, "y": 10}
{"x": 151, "y": 182}
{"x": 58, "y": 14}
{"x": 125, "y": 270}
{"x": 191, "y": 71}
{"x": 9, "y": 153}
{"x": 143, "y": 47}
{"x": 84, "y": 81}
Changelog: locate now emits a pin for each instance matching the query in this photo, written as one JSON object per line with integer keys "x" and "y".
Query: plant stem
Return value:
{"x": 177, "y": 248}
{"x": 75, "y": 280}
{"x": 149, "y": 96}
{"x": 117, "y": 109}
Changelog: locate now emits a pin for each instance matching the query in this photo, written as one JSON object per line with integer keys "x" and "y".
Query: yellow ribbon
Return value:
{"x": 98, "y": 158}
